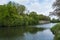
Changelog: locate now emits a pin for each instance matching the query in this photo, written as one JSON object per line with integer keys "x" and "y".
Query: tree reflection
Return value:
{"x": 17, "y": 31}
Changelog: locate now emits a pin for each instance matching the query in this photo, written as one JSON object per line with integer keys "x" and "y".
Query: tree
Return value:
{"x": 35, "y": 17}
{"x": 43, "y": 17}
{"x": 21, "y": 9}
{"x": 56, "y": 5}
{"x": 9, "y": 15}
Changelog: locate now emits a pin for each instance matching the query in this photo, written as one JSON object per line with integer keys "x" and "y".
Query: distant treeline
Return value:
{"x": 55, "y": 20}
{"x": 14, "y": 14}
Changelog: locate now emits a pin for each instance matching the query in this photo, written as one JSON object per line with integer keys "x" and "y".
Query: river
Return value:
{"x": 45, "y": 34}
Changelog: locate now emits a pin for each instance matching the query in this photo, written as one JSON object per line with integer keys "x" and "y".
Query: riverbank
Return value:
{"x": 56, "y": 31}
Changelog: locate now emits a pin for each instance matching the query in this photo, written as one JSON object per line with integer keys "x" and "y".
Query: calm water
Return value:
{"x": 27, "y": 33}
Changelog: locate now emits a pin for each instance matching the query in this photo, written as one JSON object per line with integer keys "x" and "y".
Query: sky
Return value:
{"x": 39, "y": 6}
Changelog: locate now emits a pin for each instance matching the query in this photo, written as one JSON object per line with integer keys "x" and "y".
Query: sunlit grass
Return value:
{"x": 56, "y": 31}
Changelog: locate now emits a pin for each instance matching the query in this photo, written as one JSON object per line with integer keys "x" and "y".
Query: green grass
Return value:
{"x": 56, "y": 31}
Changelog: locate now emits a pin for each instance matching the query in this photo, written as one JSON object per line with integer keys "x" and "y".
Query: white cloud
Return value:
{"x": 3, "y": 2}
{"x": 40, "y": 6}
{"x": 34, "y": 7}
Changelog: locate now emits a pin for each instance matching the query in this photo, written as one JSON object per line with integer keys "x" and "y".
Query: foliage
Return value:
{"x": 12, "y": 14}
{"x": 55, "y": 20}
{"x": 56, "y": 6}
{"x": 56, "y": 12}
{"x": 42, "y": 17}
{"x": 56, "y": 31}
{"x": 34, "y": 17}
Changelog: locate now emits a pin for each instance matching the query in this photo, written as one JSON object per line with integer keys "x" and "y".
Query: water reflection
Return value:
{"x": 6, "y": 33}
{"x": 49, "y": 25}
{"x": 41, "y": 35}
{"x": 25, "y": 33}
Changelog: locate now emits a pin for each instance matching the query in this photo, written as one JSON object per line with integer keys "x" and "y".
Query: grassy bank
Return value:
{"x": 56, "y": 31}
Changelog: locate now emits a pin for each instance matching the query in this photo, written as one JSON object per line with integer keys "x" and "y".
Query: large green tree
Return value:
{"x": 34, "y": 16}
{"x": 20, "y": 8}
